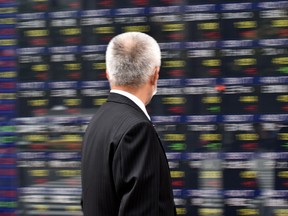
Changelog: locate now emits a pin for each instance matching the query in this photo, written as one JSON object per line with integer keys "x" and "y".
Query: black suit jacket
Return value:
{"x": 124, "y": 167}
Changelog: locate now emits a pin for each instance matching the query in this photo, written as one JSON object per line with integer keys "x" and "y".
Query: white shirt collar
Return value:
{"x": 135, "y": 99}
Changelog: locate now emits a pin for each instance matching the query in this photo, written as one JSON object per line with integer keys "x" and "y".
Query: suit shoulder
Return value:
{"x": 127, "y": 113}
{"x": 118, "y": 116}
{"x": 131, "y": 119}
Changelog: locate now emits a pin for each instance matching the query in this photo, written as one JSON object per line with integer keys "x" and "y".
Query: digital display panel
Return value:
{"x": 220, "y": 108}
{"x": 8, "y": 99}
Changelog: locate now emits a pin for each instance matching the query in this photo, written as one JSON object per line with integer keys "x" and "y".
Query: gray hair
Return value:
{"x": 131, "y": 58}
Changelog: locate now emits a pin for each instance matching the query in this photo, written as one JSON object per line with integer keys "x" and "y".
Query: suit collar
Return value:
{"x": 118, "y": 98}
{"x": 134, "y": 98}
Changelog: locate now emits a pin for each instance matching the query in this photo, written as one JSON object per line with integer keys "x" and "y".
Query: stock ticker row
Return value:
{"x": 221, "y": 107}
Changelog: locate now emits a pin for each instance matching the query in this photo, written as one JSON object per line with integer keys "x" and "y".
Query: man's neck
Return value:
{"x": 138, "y": 92}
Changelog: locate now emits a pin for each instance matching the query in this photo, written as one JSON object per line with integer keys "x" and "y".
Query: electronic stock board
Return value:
{"x": 221, "y": 108}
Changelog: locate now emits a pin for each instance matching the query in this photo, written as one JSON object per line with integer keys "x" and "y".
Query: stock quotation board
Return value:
{"x": 221, "y": 108}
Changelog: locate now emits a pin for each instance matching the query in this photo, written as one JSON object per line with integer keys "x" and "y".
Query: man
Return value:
{"x": 124, "y": 167}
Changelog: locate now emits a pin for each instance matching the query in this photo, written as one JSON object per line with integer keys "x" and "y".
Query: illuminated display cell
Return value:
{"x": 203, "y": 60}
{"x": 205, "y": 202}
{"x": 33, "y": 64}
{"x": 98, "y": 4}
{"x": 180, "y": 202}
{"x": 173, "y": 136}
{"x": 33, "y": 30}
{"x": 94, "y": 94}
{"x": 7, "y": 52}
{"x": 97, "y": 26}
{"x": 240, "y": 203}
{"x": 239, "y": 172}
{"x": 211, "y": 103}
{"x": 64, "y": 97}
{"x": 204, "y": 134}
{"x": 268, "y": 132}
{"x": 275, "y": 202}
{"x": 238, "y": 21}
{"x": 7, "y": 86}
{"x": 239, "y": 62}
{"x": 131, "y": 19}
{"x": 49, "y": 199}
{"x": 240, "y": 98}
{"x": 8, "y": 21}
{"x": 204, "y": 137}
{"x": 28, "y": 6}
{"x": 172, "y": 105}
{"x": 33, "y": 138}
{"x": 7, "y": 43}
{"x": 65, "y": 63}
{"x": 64, "y": 5}
{"x": 240, "y": 137}
{"x": 281, "y": 167}
{"x": 93, "y": 62}
{"x": 166, "y": 2}
{"x": 242, "y": 134}
{"x": 203, "y": 171}
{"x": 63, "y": 165}
{"x": 211, "y": 174}
{"x": 33, "y": 102}
{"x": 65, "y": 137}
{"x": 192, "y": 173}
{"x": 273, "y": 20}
{"x": 9, "y": 31}
{"x": 276, "y": 95}
{"x": 8, "y": 63}
{"x": 174, "y": 141}
{"x": 167, "y": 23}
{"x": 199, "y": 2}
{"x": 8, "y": 109}
{"x": 176, "y": 170}
{"x": 32, "y": 167}
{"x": 203, "y": 96}
{"x": 133, "y": 3}
{"x": 64, "y": 28}
{"x": 281, "y": 175}
{"x": 282, "y": 138}
{"x": 59, "y": 140}
{"x": 172, "y": 100}
{"x": 265, "y": 165}
{"x": 7, "y": 96}
{"x": 37, "y": 102}
{"x": 202, "y": 22}
{"x": 273, "y": 60}
{"x": 7, "y": 74}
{"x": 8, "y": 10}
{"x": 173, "y": 61}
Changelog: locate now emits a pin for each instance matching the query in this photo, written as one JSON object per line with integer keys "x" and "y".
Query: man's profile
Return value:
{"x": 124, "y": 167}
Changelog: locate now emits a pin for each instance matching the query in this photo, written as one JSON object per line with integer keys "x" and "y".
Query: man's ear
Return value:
{"x": 107, "y": 75}
{"x": 155, "y": 75}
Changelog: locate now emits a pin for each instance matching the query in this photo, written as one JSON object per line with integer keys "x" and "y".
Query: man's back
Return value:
{"x": 124, "y": 167}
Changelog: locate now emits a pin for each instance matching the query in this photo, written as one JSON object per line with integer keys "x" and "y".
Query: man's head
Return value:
{"x": 133, "y": 62}
{"x": 133, "y": 59}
